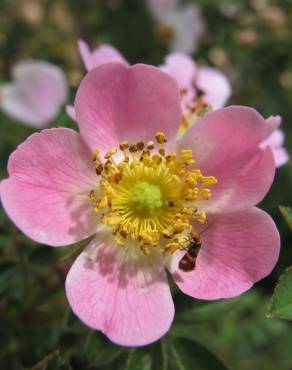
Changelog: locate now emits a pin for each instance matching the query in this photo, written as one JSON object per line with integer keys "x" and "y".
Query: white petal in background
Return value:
{"x": 215, "y": 85}
{"x": 185, "y": 22}
{"x": 36, "y": 93}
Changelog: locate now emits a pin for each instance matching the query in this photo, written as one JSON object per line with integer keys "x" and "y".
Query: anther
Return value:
{"x": 161, "y": 151}
{"x": 160, "y": 137}
{"x": 133, "y": 148}
{"x": 122, "y": 165}
{"x": 95, "y": 154}
{"x": 98, "y": 168}
{"x": 144, "y": 249}
{"x": 108, "y": 165}
{"x": 124, "y": 145}
{"x": 140, "y": 146}
{"x": 92, "y": 196}
{"x": 156, "y": 159}
{"x": 150, "y": 145}
{"x": 110, "y": 153}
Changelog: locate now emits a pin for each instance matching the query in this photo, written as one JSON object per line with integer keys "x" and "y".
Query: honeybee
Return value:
{"x": 188, "y": 260}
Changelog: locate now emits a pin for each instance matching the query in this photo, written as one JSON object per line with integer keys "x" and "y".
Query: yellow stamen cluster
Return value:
{"x": 150, "y": 196}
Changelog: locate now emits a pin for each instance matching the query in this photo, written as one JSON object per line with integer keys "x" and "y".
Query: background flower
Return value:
{"x": 181, "y": 26}
{"x": 212, "y": 83}
{"x": 36, "y": 93}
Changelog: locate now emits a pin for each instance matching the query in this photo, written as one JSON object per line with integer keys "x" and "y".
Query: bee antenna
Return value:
{"x": 212, "y": 223}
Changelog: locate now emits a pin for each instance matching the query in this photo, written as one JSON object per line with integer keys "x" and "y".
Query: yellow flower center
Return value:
{"x": 150, "y": 196}
{"x": 144, "y": 199}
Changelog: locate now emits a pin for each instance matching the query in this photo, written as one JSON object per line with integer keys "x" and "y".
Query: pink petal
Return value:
{"x": 215, "y": 85}
{"x": 182, "y": 68}
{"x": 159, "y": 8}
{"x": 225, "y": 144}
{"x": 120, "y": 292}
{"x": 238, "y": 249}
{"x": 281, "y": 156}
{"x": 70, "y": 110}
{"x": 116, "y": 103}
{"x": 273, "y": 122}
{"x": 36, "y": 94}
{"x": 103, "y": 54}
{"x": 188, "y": 27}
{"x": 275, "y": 140}
{"x": 46, "y": 195}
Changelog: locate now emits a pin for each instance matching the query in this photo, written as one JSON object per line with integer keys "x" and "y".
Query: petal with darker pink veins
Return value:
{"x": 46, "y": 194}
{"x": 116, "y": 103}
{"x": 123, "y": 294}
{"x": 226, "y": 144}
{"x": 238, "y": 249}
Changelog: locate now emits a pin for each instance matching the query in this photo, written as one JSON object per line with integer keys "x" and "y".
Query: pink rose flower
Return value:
{"x": 145, "y": 203}
{"x": 34, "y": 97}
{"x": 182, "y": 26}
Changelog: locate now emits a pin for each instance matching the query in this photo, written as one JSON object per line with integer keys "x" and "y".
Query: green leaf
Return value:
{"x": 54, "y": 361}
{"x": 287, "y": 214}
{"x": 190, "y": 355}
{"x": 100, "y": 351}
{"x": 281, "y": 302}
{"x": 208, "y": 311}
{"x": 139, "y": 359}
{"x": 8, "y": 272}
{"x": 160, "y": 355}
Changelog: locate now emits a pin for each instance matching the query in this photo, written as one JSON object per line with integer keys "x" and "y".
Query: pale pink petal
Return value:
{"x": 215, "y": 85}
{"x": 273, "y": 122}
{"x": 121, "y": 292}
{"x": 36, "y": 94}
{"x": 225, "y": 144}
{"x": 115, "y": 103}
{"x": 188, "y": 28}
{"x": 70, "y": 110}
{"x": 275, "y": 140}
{"x": 159, "y": 8}
{"x": 102, "y": 54}
{"x": 183, "y": 69}
{"x": 281, "y": 156}
{"x": 46, "y": 195}
{"x": 238, "y": 249}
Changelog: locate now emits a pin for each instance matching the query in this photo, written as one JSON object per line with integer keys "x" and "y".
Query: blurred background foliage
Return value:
{"x": 251, "y": 41}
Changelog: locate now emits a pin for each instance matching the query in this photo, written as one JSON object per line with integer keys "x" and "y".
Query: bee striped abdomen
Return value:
{"x": 188, "y": 261}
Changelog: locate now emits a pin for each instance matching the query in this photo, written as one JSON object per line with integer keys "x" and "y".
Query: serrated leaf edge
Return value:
{"x": 270, "y": 315}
